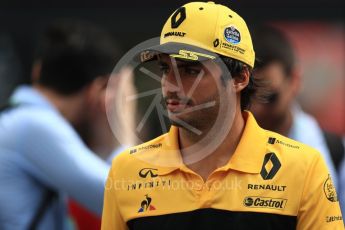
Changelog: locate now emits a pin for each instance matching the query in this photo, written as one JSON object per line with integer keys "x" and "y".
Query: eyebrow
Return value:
{"x": 181, "y": 64}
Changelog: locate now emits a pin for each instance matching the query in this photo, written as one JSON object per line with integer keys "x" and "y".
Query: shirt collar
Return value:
{"x": 248, "y": 156}
{"x": 167, "y": 157}
{"x": 250, "y": 151}
{"x": 29, "y": 96}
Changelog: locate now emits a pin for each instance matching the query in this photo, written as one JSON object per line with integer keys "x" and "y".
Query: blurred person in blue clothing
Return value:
{"x": 276, "y": 68}
{"x": 44, "y": 131}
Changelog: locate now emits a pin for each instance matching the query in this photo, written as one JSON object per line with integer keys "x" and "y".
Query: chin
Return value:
{"x": 175, "y": 118}
{"x": 191, "y": 122}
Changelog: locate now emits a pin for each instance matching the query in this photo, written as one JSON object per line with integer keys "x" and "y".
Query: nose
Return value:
{"x": 171, "y": 83}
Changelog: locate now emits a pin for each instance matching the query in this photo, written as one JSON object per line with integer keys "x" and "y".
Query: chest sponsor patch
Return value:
{"x": 264, "y": 202}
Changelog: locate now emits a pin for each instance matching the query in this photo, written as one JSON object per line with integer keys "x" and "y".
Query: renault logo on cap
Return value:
{"x": 270, "y": 166}
{"x": 178, "y": 17}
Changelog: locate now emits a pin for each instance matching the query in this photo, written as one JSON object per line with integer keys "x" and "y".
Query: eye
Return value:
{"x": 164, "y": 69}
{"x": 192, "y": 71}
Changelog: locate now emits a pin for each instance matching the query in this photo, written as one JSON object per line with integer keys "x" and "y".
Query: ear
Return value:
{"x": 36, "y": 71}
{"x": 296, "y": 81}
{"x": 95, "y": 93}
{"x": 242, "y": 80}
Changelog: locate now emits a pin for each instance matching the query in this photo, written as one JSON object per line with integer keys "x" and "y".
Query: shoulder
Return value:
{"x": 31, "y": 116}
{"x": 295, "y": 155}
{"x": 41, "y": 119}
{"x": 28, "y": 124}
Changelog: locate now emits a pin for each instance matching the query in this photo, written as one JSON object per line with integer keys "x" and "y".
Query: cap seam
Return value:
{"x": 217, "y": 26}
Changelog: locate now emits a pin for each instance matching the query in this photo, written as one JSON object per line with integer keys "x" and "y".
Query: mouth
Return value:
{"x": 175, "y": 105}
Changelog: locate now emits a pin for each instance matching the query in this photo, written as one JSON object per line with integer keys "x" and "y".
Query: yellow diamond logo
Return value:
{"x": 269, "y": 166}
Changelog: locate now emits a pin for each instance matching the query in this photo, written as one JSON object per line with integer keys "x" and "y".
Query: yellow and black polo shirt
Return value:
{"x": 270, "y": 182}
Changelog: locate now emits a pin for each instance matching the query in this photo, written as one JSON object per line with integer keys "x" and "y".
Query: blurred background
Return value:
{"x": 316, "y": 29}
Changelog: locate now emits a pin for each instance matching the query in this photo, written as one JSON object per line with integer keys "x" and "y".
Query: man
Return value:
{"x": 280, "y": 113}
{"x": 248, "y": 181}
{"x": 42, "y": 154}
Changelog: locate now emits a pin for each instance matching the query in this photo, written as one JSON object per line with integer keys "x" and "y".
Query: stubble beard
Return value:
{"x": 202, "y": 119}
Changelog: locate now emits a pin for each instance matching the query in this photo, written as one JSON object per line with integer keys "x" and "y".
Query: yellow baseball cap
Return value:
{"x": 199, "y": 31}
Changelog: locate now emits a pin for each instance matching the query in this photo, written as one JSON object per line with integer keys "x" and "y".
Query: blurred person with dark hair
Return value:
{"x": 10, "y": 67}
{"x": 45, "y": 129}
{"x": 276, "y": 68}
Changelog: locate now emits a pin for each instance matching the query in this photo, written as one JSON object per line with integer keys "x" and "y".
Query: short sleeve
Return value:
{"x": 319, "y": 205}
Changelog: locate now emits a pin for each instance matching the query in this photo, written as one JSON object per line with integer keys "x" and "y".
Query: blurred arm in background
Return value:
{"x": 43, "y": 155}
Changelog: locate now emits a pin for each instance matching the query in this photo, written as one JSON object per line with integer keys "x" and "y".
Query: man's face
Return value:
{"x": 281, "y": 93}
{"x": 191, "y": 91}
{"x": 92, "y": 114}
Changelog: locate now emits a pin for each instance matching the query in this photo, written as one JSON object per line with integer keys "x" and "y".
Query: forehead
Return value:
{"x": 273, "y": 74}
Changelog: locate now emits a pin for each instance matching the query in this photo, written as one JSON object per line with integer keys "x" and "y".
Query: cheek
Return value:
{"x": 103, "y": 102}
{"x": 206, "y": 92}
{"x": 285, "y": 101}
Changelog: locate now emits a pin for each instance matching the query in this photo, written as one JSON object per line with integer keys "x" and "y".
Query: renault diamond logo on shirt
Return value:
{"x": 143, "y": 173}
{"x": 270, "y": 166}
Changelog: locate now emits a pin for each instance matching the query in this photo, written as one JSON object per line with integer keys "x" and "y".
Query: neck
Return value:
{"x": 68, "y": 106}
{"x": 220, "y": 156}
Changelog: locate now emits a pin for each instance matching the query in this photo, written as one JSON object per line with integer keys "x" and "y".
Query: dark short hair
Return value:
{"x": 73, "y": 53}
{"x": 272, "y": 45}
{"x": 236, "y": 67}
